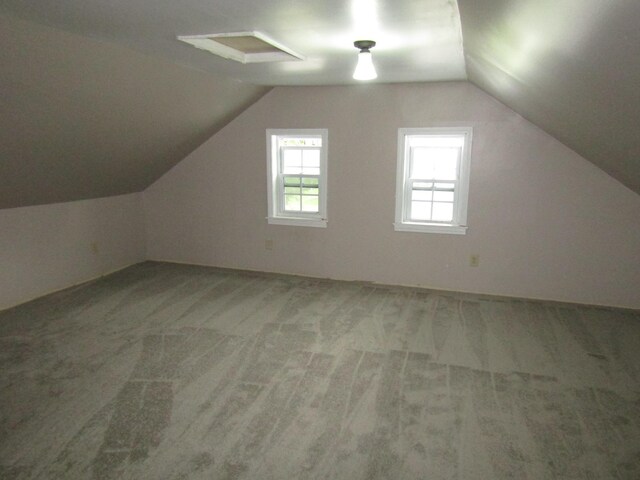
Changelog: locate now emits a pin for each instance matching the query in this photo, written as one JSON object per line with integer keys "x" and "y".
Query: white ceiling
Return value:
{"x": 572, "y": 67}
{"x": 417, "y": 40}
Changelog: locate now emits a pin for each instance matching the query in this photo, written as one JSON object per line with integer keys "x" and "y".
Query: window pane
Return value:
{"x": 309, "y": 182}
{"x": 301, "y": 141}
{"x": 442, "y": 212}
{"x": 421, "y": 195}
{"x": 441, "y": 163}
{"x": 437, "y": 141}
{"x": 446, "y": 162}
{"x": 292, "y": 161}
{"x": 311, "y": 162}
{"x": 309, "y": 204}
{"x": 422, "y": 185}
{"x": 294, "y": 186}
{"x": 443, "y": 196}
{"x": 422, "y": 165}
{"x": 420, "y": 210}
{"x": 292, "y": 181}
{"x": 292, "y": 203}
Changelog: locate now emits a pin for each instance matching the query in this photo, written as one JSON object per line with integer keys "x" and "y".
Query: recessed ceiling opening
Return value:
{"x": 243, "y": 47}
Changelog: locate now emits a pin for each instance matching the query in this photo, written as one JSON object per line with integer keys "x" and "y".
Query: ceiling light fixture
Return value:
{"x": 364, "y": 69}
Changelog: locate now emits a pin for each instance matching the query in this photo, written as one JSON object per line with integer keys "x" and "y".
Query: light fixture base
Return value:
{"x": 364, "y": 44}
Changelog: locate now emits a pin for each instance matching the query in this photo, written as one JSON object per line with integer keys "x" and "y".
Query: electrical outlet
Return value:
{"x": 268, "y": 244}
{"x": 474, "y": 260}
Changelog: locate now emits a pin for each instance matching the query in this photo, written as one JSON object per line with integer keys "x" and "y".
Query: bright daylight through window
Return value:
{"x": 297, "y": 171}
{"x": 433, "y": 179}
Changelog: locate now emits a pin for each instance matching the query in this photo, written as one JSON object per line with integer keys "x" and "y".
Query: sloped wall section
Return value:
{"x": 545, "y": 222}
{"x": 80, "y": 118}
{"x": 566, "y": 67}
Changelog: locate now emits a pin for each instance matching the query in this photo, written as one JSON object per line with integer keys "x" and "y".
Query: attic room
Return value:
{"x": 222, "y": 255}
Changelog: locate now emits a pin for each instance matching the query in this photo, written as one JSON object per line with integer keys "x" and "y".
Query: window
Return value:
{"x": 297, "y": 171}
{"x": 433, "y": 179}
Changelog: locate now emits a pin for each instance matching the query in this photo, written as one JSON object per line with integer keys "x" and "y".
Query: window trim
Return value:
{"x": 276, "y": 213}
{"x": 459, "y": 224}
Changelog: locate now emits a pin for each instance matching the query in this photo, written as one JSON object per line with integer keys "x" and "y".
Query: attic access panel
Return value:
{"x": 243, "y": 47}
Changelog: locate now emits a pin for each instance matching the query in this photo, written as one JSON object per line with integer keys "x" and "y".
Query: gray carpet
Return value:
{"x": 164, "y": 371}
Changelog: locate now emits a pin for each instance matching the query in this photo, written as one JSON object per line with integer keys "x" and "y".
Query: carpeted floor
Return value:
{"x": 164, "y": 371}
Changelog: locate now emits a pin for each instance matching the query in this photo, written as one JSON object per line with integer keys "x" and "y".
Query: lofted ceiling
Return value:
{"x": 572, "y": 67}
{"x": 99, "y": 98}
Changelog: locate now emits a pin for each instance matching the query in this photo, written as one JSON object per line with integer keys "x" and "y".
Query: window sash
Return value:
{"x": 410, "y": 186}
{"x": 281, "y": 158}
{"x": 282, "y": 176}
{"x": 282, "y": 193}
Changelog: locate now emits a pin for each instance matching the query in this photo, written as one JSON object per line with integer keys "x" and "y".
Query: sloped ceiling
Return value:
{"x": 572, "y": 67}
{"x": 80, "y": 118}
{"x": 104, "y": 99}
{"x": 417, "y": 40}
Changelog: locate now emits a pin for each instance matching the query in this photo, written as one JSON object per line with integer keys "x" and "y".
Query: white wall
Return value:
{"x": 49, "y": 247}
{"x": 546, "y": 223}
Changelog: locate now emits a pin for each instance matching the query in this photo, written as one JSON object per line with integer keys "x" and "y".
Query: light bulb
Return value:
{"x": 365, "y": 69}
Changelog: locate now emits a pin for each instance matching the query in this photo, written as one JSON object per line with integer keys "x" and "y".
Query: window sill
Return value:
{"x": 430, "y": 228}
{"x": 298, "y": 221}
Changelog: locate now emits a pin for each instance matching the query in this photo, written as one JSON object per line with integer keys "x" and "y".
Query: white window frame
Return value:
{"x": 277, "y": 214}
{"x": 458, "y": 225}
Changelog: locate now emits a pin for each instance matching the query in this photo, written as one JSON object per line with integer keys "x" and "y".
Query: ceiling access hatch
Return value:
{"x": 243, "y": 47}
